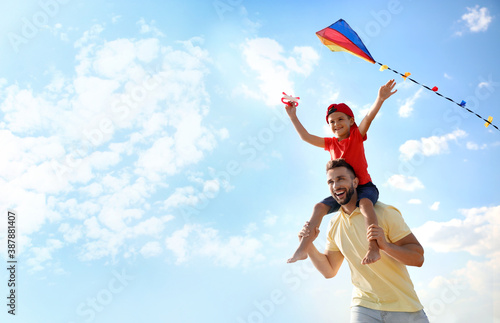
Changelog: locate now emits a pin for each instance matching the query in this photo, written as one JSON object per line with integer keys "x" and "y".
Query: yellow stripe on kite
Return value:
{"x": 336, "y": 48}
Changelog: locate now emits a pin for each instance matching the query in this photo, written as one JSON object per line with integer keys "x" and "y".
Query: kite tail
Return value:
{"x": 462, "y": 104}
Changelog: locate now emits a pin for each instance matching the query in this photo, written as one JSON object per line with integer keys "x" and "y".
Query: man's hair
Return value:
{"x": 340, "y": 162}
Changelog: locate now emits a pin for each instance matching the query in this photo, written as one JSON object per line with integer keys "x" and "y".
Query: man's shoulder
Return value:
{"x": 384, "y": 206}
{"x": 335, "y": 216}
{"x": 334, "y": 220}
{"x": 382, "y": 209}
{"x": 392, "y": 221}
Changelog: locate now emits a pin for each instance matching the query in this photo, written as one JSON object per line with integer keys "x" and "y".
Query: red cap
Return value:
{"x": 341, "y": 107}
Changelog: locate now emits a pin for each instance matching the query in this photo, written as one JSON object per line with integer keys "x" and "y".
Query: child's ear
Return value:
{"x": 351, "y": 121}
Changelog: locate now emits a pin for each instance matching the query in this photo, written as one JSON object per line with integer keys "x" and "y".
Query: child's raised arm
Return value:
{"x": 385, "y": 92}
{"x": 291, "y": 109}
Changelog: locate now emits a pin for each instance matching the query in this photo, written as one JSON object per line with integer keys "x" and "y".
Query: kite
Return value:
{"x": 340, "y": 37}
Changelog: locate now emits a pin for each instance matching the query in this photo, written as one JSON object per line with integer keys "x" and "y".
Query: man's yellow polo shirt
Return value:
{"x": 384, "y": 285}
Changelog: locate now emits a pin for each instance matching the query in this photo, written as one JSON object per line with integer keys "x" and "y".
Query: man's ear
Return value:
{"x": 355, "y": 182}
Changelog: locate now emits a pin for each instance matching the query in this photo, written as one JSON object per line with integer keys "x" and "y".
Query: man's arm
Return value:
{"x": 327, "y": 264}
{"x": 384, "y": 93}
{"x": 407, "y": 250}
{"x": 303, "y": 133}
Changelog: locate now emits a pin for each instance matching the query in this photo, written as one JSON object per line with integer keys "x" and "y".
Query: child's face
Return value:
{"x": 340, "y": 123}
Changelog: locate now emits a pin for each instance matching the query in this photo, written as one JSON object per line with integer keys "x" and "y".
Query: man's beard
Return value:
{"x": 348, "y": 195}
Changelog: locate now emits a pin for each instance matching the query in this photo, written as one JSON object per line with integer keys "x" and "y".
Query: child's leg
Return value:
{"x": 319, "y": 211}
{"x": 366, "y": 208}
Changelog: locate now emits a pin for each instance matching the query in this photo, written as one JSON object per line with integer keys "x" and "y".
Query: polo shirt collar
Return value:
{"x": 349, "y": 216}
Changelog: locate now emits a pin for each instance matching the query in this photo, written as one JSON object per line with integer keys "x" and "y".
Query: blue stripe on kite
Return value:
{"x": 343, "y": 27}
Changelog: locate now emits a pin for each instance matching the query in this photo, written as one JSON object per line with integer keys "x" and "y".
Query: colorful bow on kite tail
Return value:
{"x": 340, "y": 37}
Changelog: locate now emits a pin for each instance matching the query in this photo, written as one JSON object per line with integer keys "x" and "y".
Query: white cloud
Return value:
{"x": 43, "y": 254}
{"x": 475, "y": 232}
{"x": 246, "y": 92}
{"x": 270, "y": 219}
{"x": 93, "y": 190}
{"x": 405, "y": 183}
{"x": 266, "y": 57}
{"x": 114, "y": 218}
{"x": 194, "y": 241}
{"x": 477, "y": 19}
{"x": 114, "y": 58}
{"x": 148, "y": 49}
{"x": 430, "y": 146}
{"x": 71, "y": 234}
{"x": 304, "y": 61}
{"x": 326, "y": 94}
{"x": 223, "y": 133}
{"x": 473, "y": 146}
{"x": 480, "y": 276}
{"x": 25, "y": 112}
{"x": 178, "y": 244}
{"x": 151, "y": 249}
{"x": 103, "y": 160}
{"x": 435, "y": 206}
{"x": 31, "y": 206}
{"x": 223, "y": 178}
{"x": 191, "y": 196}
{"x": 237, "y": 251}
{"x": 91, "y": 34}
{"x": 74, "y": 209}
{"x": 88, "y": 151}
{"x": 159, "y": 159}
{"x": 414, "y": 201}
{"x": 101, "y": 242}
{"x": 407, "y": 108}
{"x": 251, "y": 227}
{"x": 152, "y": 226}
{"x": 444, "y": 298}
{"x": 361, "y": 113}
{"x": 483, "y": 84}
{"x": 105, "y": 242}
{"x": 182, "y": 196}
{"x": 146, "y": 28}
{"x": 211, "y": 187}
{"x": 277, "y": 155}
{"x": 488, "y": 85}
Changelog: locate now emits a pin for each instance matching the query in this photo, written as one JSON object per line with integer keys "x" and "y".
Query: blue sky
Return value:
{"x": 157, "y": 178}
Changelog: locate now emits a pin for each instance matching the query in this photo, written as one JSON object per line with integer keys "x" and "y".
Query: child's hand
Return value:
{"x": 386, "y": 91}
{"x": 306, "y": 232}
{"x": 291, "y": 108}
{"x": 374, "y": 232}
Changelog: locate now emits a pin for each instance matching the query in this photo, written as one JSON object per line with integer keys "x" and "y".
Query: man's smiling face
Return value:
{"x": 342, "y": 184}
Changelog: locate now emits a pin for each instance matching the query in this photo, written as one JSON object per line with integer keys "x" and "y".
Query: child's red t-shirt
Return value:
{"x": 353, "y": 151}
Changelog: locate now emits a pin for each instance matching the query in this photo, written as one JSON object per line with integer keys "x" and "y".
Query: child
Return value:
{"x": 348, "y": 144}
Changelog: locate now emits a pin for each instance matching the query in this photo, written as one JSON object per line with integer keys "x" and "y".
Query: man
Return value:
{"x": 383, "y": 291}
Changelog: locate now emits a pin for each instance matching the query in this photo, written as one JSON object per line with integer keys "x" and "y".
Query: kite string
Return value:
{"x": 462, "y": 105}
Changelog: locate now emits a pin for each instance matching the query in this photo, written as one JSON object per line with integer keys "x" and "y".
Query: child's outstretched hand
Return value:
{"x": 291, "y": 108}
{"x": 386, "y": 90}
